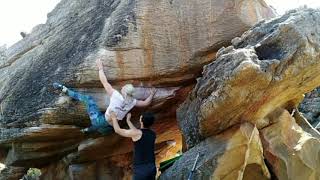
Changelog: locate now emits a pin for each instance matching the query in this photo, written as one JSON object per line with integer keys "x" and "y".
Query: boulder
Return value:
{"x": 233, "y": 154}
{"x": 147, "y": 43}
{"x": 259, "y": 80}
{"x": 289, "y": 146}
{"x": 270, "y": 66}
{"x": 291, "y": 152}
{"x": 142, "y": 42}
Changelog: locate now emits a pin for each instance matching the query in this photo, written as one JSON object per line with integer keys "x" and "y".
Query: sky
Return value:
{"x": 22, "y": 15}
{"x": 283, "y": 5}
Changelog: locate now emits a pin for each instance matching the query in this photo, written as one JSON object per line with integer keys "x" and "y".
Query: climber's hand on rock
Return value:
{"x": 153, "y": 91}
{"x": 170, "y": 97}
{"x": 99, "y": 64}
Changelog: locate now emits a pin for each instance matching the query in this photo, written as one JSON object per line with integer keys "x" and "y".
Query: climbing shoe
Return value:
{"x": 60, "y": 87}
{"x": 85, "y": 131}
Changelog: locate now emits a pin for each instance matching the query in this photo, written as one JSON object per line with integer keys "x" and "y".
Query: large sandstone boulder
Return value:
{"x": 147, "y": 43}
{"x": 259, "y": 80}
{"x": 234, "y": 154}
{"x": 271, "y": 66}
{"x": 291, "y": 152}
{"x": 162, "y": 43}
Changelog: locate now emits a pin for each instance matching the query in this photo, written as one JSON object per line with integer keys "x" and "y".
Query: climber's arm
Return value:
{"x": 131, "y": 133}
{"x": 107, "y": 86}
{"x": 147, "y": 101}
{"x": 131, "y": 126}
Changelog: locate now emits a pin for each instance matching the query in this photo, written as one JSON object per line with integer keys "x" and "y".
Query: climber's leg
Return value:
{"x": 91, "y": 105}
{"x": 79, "y": 97}
{"x": 98, "y": 121}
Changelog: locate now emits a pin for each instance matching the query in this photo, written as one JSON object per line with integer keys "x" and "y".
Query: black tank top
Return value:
{"x": 144, "y": 148}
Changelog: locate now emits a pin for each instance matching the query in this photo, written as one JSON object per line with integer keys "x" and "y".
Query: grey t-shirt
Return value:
{"x": 119, "y": 105}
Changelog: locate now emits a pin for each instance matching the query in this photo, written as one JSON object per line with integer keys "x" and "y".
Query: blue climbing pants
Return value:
{"x": 98, "y": 121}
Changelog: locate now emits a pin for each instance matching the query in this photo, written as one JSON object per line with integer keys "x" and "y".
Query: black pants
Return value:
{"x": 144, "y": 172}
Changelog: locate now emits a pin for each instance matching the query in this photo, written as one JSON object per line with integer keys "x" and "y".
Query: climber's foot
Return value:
{"x": 60, "y": 87}
{"x": 85, "y": 131}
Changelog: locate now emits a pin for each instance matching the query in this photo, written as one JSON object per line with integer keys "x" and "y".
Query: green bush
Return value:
{"x": 33, "y": 173}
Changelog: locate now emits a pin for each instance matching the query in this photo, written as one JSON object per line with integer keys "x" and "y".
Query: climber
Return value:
{"x": 121, "y": 104}
{"x": 143, "y": 139}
